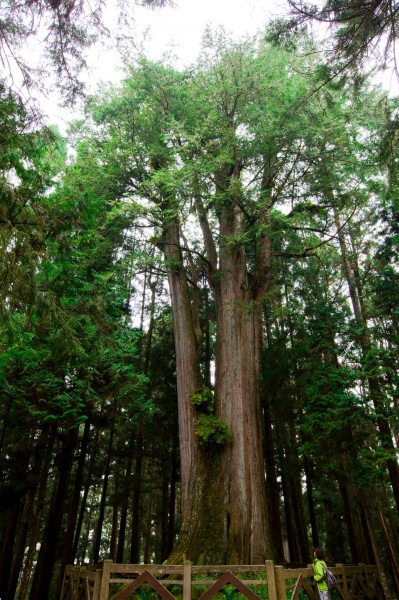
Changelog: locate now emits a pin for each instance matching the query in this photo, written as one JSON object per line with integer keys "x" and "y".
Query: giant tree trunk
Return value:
{"x": 238, "y": 404}
{"x": 223, "y": 488}
{"x": 197, "y": 477}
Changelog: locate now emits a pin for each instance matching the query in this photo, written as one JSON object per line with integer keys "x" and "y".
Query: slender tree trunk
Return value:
{"x": 103, "y": 500}
{"x": 114, "y": 533}
{"x": 172, "y": 497}
{"x": 20, "y": 545}
{"x": 29, "y": 512}
{"x": 136, "y": 494}
{"x": 125, "y": 502}
{"x": 164, "y": 516}
{"x": 148, "y": 528}
{"x": 347, "y": 510}
{"x": 390, "y": 552}
{"x": 68, "y": 556}
{"x": 207, "y": 340}
{"x": 13, "y": 508}
{"x": 83, "y": 504}
{"x": 376, "y": 550}
{"x": 8, "y": 548}
{"x": 311, "y": 507}
{"x": 376, "y": 393}
{"x": 39, "y": 507}
{"x": 272, "y": 485}
{"x": 48, "y": 550}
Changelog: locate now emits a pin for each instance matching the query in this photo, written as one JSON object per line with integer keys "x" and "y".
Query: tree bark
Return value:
{"x": 103, "y": 500}
{"x": 47, "y": 554}
{"x": 374, "y": 385}
{"x": 68, "y": 556}
{"x": 135, "y": 527}
{"x": 39, "y": 506}
{"x": 83, "y": 504}
{"x": 272, "y": 485}
{"x": 311, "y": 506}
{"x": 223, "y": 489}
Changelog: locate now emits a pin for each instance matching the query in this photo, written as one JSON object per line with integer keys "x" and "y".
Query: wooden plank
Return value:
{"x": 97, "y": 585}
{"x": 271, "y": 580}
{"x": 187, "y": 578}
{"x": 196, "y": 569}
{"x": 145, "y": 577}
{"x": 105, "y": 577}
{"x": 229, "y": 578}
{"x": 280, "y": 582}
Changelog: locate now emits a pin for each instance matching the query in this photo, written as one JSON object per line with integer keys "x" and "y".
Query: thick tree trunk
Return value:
{"x": 223, "y": 487}
{"x": 187, "y": 365}
{"x": 238, "y": 404}
{"x": 192, "y": 538}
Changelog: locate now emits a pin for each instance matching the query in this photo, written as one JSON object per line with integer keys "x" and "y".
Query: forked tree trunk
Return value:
{"x": 223, "y": 489}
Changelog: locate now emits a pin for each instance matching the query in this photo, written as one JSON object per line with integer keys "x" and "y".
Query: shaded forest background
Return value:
{"x": 89, "y": 415}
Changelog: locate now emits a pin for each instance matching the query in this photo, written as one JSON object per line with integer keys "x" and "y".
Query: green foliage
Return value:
{"x": 211, "y": 431}
{"x": 203, "y": 399}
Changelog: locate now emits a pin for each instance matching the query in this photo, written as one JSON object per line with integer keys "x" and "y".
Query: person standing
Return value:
{"x": 320, "y": 570}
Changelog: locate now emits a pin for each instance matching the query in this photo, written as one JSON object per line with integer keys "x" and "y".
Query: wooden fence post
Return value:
{"x": 187, "y": 580}
{"x": 271, "y": 581}
{"x": 105, "y": 577}
{"x": 97, "y": 585}
{"x": 340, "y": 568}
{"x": 280, "y": 582}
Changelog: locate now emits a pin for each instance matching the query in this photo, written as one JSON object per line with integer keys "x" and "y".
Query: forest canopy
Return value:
{"x": 199, "y": 322}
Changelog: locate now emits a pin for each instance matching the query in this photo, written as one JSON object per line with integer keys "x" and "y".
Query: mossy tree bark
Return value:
{"x": 223, "y": 489}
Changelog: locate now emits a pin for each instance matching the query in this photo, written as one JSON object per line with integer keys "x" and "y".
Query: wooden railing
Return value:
{"x": 184, "y": 582}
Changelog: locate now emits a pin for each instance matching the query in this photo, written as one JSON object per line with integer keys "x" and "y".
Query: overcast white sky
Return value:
{"x": 183, "y": 24}
{"x": 179, "y": 29}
